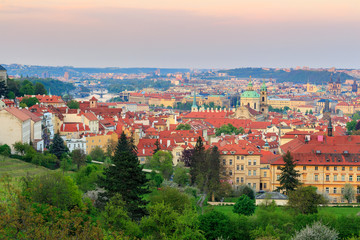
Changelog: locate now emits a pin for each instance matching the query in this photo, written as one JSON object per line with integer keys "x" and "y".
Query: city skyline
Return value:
{"x": 181, "y": 34}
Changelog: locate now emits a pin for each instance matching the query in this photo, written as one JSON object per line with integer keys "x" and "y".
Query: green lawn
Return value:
{"x": 17, "y": 169}
{"x": 332, "y": 210}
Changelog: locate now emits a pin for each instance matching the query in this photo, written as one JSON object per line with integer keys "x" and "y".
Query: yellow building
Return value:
{"x": 100, "y": 140}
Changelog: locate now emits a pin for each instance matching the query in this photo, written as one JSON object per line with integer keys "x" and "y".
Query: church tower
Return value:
{"x": 264, "y": 107}
{"x": 331, "y": 85}
{"x": 194, "y": 107}
{"x": 338, "y": 86}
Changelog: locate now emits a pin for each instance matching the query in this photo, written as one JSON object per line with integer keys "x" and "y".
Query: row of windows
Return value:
{"x": 335, "y": 190}
{"x": 250, "y": 162}
{"x": 250, "y": 173}
{"x": 328, "y": 168}
{"x": 327, "y": 178}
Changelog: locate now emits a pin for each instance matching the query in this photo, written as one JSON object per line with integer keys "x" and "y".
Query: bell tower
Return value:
{"x": 264, "y": 107}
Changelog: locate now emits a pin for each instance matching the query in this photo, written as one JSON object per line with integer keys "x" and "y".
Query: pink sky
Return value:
{"x": 187, "y": 33}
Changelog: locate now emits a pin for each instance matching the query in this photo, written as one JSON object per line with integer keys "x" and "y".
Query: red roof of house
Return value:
{"x": 22, "y": 116}
{"x": 74, "y": 127}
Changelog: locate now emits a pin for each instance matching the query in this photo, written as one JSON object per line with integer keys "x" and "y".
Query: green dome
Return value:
{"x": 263, "y": 87}
{"x": 250, "y": 94}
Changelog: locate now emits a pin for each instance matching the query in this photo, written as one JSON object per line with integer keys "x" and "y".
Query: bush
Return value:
{"x": 215, "y": 225}
{"x": 244, "y": 205}
{"x": 317, "y": 231}
{"x": 171, "y": 196}
{"x": 5, "y": 150}
{"x": 245, "y": 189}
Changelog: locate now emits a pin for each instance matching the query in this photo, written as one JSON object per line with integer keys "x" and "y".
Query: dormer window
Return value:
{"x": 232, "y": 152}
{"x": 225, "y": 152}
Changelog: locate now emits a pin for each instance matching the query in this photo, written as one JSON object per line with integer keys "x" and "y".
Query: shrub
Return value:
{"x": 244, "y": 205}
{"x": 316, "y": 231}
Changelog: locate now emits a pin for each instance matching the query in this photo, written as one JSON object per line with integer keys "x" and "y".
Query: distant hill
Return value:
{"x": 295, "y": 76}
{"x": 31, "y": 70}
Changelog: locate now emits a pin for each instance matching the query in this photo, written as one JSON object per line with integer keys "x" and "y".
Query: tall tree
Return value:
{"x": 58, "y": 147}
{"x": 186, "y": 156}
{"x": 126, "y": 178}
{"x": 73, "y": 104}
{"x": 349, "y": 192}
{"x": 214, "y": 169}
{"x": 79, "y": 157}
{"x": 3, "y": 89}
{"x": 157, "y": 144}
{"x": 197, "y": 160}
{"x": 289, "y": 176}
{"x": 39, "y": 89}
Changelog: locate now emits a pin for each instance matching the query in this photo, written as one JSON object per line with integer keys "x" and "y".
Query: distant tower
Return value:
{"x": 264, "y": 107}
{"x": 93, "y": 102}
{"x": 331, "y": 85}
{"x": 194, "y": 107}
{"x": 330, "y": 129}
{"x": 354, "y": 87}
{"x": 327, "y": 111}
{"x": 266, "y": 146}
{"x": 66, "y": 76}
{"x": 338, "y": 86}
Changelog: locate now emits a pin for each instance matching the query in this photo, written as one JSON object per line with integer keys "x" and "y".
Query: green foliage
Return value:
{"x": 29, "y": 101}
{"x": 78, "y": 157}
{"x": 27, "y": 88}
{"x": 182, "y": 126}
{"x": 157, "y": 144}
{"x": 65, "y": 163}
{"x": 58, "y": 147}
{"x": 350, "y": 126}
{"x": 116, "y": 85}
{"x": 228, "y": 129}
{"x": 39, "y": 89}
{"x": 155, "y": 179}
{"x": 181, "y": 175}
{"x": 47, "y": 160}
{"x": 54, "y": 189}
{"x": 244, "y": 205}
{"x": 164, "y": 222}
{"x": 3, "y": 89}
{"x": 162, "y": 161}
{"x": 11, "y": 95}
{"x": 126, "y": 178}
{"x": 215, "y": 225}
{"x": 97, "y": 154}
{"x": 245, "y": 190}
{"x": 349, "y": 192}
{"x": 87, "y": 177}
{"x": 289, "y": 176}
{"x": 179, "y": 202}
{"x": 116, "y": 218}
{"x": 278, "y": 110}
{"x": 5, "y": 150}
{"x": 356, "y": 116}
{"x": 317, "y": 231}
{"x": 305, "y": 200}
{"x": 73, "y": 104}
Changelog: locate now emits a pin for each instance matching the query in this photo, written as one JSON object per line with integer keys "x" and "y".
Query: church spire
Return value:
{"x": 250, "y": 85}
{"x": 194, "y": 107}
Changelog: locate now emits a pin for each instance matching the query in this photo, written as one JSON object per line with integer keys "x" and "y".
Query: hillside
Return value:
{"x": 295, "y": 76}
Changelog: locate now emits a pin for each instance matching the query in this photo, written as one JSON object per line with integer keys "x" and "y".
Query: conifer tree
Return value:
{"x": 197, "y": 160}
{"x": 157, "y": 144}
{"x": 126, "y": 177}
{"x": 214, "y": 172}
{"x": 58, "y": 147}
{"x": 289, "y": 176}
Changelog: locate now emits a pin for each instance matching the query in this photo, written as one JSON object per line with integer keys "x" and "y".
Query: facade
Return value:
{"x": 15, "y": 127}
{"x": 334, "y": 87}
{"x": 251, "y": 98}
{"x": 3, "y": 74}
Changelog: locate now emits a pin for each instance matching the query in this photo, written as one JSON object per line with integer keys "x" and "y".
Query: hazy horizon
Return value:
{"x": 181, "y": 34}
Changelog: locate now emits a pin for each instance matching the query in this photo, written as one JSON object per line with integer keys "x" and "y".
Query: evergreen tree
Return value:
{"x": 289, "y": 176}
{"x": 3, "y": 89}
{"x": 214, "y": 171}
{"x": 58, "y": 147}
{"x": 126, "y": 178}
{"x": 197, "y": 160}
{"x": 157, "y": 144}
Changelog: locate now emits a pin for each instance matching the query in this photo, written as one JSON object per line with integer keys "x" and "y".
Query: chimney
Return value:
{"x": 63, "y": 126}
{"x": 67, "y": 110}
{"x": 168, "y": 143}
{"x": 77, "y": 126}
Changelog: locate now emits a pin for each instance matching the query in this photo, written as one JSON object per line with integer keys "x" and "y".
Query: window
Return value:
{"x": 237, "y": 180}
{"x": 316, "y": 177}
{"x": 254, "y": 162}
{"x": 230, "y": 172}
{"x": 342, "y": 190}
{"x": 249, "y": 184}
{"x": 350, "y": 168}
{"x": 238, "y": 167}
{"x": 350, "y": 178}
{"x": 242, "y": 167}
{"x": 230, "y": 162}
{"x": 327, "y": 178}
{"x": 316, "y": 168}
{"x": 249, "y": 173}
{"x": 278, "y": 167}
{"x": 237, "y": 157}
{"x": 254, "y": 185}
{"x": 242, "y": 157}
{"x": 304, "y": 167}
{"x": 224, "y": 161}
{"x": 342, "y": 177}
{"x": 265, "y": 173}
{"x": 327, "y": 190}
{"x": 254, "y": 172}
{"x": 343, "y": 169}
{"x": 327, "y": 168}
{"x": 358, "y": 168}
{"x": 335, "y": 177}
{"x": 265, "y": 185}
{"x": 277, "y": 177}
{"x": 335, "y": 189}
{"x": 249, "y": 162}
{"x": 358, "y": 190}
{"x": 358, "y": 178}
{"x": 242, "y": 180}
{"x": 335, "y": 168}
{"x": 178, "y": 154}
{"x": 224, "y": 173}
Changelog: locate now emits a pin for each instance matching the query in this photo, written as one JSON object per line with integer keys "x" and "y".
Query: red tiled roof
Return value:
{"x": 18, "y": 113}
{"x": 74, "y": 127}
